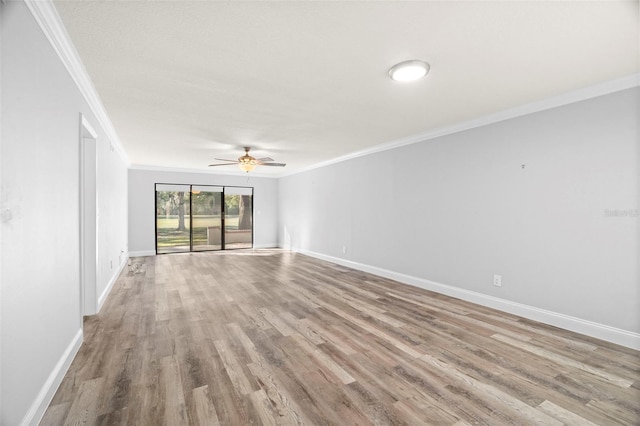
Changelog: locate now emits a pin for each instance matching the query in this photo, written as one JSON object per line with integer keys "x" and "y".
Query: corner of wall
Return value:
{"x": 112, "y": 281}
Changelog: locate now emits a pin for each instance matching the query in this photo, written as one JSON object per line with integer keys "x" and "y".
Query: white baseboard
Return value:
{"x": 142, "y": 253}
{"x": 42, "y": 401}
{"x": 112, "y": 281}
{"x": 578, "y": 325}
{"x": 265, "y": 246}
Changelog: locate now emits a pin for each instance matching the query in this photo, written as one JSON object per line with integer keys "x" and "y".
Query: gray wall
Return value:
{"x": 40, "y": 165}
{"x": 142, "y": 204}
{"x": 457, "y": 209}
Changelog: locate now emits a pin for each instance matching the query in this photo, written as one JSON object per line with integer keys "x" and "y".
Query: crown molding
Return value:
{"x": 601, "y": 89}
{"x": 47, "y": 18}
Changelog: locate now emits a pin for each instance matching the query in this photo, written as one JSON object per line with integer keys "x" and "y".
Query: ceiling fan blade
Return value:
{"x": 265, "y": 161}
{"x": 274, "y": 164}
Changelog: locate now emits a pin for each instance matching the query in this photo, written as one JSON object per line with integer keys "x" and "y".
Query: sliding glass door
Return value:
{"x": 173, "y": 218}
{"x": 206, "y": 217}
{"x": 203, "y": 217}
{"x": 238, "y": 224}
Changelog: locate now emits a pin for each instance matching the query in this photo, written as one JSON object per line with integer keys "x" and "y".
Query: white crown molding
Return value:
{"x": 47, "y": 18}
{"x": 578, "y": 325}
{"x": 234, "y": 173}
{"x": 579, "y": 95}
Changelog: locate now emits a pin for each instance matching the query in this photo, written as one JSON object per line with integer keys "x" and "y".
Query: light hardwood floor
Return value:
{"x": 272, "y": 337}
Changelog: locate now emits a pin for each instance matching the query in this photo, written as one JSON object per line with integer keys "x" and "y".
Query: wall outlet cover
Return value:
{"x": 497, "y": 280}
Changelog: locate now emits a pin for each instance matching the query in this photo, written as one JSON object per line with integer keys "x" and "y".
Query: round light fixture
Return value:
{"x": 247, "y": 163}
{"x": 409, "y": 70}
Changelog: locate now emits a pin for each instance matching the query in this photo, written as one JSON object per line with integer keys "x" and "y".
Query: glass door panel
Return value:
{"x": 203, "y": 218}
{"x": 206, "y": 218}
{"x": 238, "y": 218}
{"x": 173, "y": 234}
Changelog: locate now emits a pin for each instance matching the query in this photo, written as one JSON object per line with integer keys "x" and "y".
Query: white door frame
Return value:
{"x": 88, "y": 219}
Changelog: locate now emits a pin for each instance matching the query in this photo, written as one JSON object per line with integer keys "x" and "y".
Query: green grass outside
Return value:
{"x": 169, "y": 236}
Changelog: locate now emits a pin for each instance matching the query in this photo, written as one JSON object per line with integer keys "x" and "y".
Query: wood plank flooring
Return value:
{"x": 277, "y": 338}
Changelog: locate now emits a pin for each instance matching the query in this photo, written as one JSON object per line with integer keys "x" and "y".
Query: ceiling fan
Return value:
{"x": 247, "y": 162}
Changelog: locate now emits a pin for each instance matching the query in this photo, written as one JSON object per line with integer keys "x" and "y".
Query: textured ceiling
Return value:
{"x": 305, "y": 82}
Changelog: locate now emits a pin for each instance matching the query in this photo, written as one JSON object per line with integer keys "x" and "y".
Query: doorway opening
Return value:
{"x": 203, "y": 218}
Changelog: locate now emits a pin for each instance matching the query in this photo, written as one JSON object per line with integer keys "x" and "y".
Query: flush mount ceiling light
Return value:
{"x": 409, "y": 70}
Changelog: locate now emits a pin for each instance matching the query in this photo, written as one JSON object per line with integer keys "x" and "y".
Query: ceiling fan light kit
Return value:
{"x": 246, "y": 164}
{"x": 407, "y": 71}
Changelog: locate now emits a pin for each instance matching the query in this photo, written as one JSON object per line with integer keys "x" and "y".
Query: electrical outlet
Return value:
{"x": 344, "y": 249}
{"x": 497, "y": 280}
